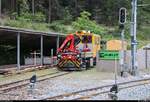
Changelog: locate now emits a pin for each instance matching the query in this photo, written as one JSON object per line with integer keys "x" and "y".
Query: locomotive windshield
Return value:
{"x": 87, "y": 39}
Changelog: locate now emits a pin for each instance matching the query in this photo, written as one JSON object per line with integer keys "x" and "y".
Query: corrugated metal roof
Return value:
{"x": 29, "y": 31}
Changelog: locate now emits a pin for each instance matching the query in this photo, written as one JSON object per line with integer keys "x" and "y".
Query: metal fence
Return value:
{"x": 143, "y": 59}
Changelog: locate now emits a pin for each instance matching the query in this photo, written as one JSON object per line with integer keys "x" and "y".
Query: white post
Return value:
{"x": 34, "y": 58}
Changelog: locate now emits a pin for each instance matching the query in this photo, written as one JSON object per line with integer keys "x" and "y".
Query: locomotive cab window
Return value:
{"x": 86, "y": 39}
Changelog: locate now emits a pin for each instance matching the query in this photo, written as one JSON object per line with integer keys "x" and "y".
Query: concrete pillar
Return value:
{"x": 18, "y": 51}
{"x": 41, "y": 50}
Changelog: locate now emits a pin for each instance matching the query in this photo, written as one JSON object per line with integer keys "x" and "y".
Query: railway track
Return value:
{"x": 25, "y": 69}
{"x": 21, "y": 83}
{"x": 91, "y": 92}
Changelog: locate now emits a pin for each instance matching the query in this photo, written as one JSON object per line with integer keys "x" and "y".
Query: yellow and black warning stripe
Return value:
{"x": 64, "y": 62}
{"x": 75, "y": 62}
{"x": 61, "y": 63}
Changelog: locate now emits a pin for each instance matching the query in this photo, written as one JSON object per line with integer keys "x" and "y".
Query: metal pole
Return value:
{"x": 57, "y": 42}
{"x": 57, "y": 46}
{"x": 52, "y": 61}
{"x": 18, "y": 51}
{"x": 41, "y": 50}
{"x": 133, "y": 37}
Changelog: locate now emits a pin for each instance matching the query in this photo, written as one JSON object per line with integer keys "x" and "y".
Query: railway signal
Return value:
{"x": 122, "y": 21}
{"x": 122, "y": 15}
{"x": 33, "y": 80}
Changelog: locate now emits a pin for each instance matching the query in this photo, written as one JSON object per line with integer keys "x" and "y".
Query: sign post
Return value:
{"x": 114, "y": 88}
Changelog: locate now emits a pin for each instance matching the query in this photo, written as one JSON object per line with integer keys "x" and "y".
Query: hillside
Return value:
{"x": 98, "y": 16}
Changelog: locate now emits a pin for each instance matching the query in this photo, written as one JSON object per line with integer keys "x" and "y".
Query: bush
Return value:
{"x": 28, "y": 21}
{"x": 57, "y": 26}
{"x": 27, "y": 25}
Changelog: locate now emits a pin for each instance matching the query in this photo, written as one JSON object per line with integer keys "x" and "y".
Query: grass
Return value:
{"x": 27, "y": 25}
{"x": 110, "y": 32}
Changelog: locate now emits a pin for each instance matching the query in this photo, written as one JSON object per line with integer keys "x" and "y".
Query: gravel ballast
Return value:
{"x": 79, "y": 81}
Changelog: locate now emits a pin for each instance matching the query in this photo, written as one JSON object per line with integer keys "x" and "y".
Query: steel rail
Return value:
{"x": 107, "y": 91}
{"x": 95, "y": 88}
{"x": 11, "y": 83}
{"x": 24, "y": 83}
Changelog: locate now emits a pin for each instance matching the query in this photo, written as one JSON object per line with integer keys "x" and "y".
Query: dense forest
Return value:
{"x": 65, "y": 16}
{"x": 68, "y": 16}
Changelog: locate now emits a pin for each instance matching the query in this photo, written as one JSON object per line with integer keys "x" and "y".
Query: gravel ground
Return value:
{"x": 78, "y": 81}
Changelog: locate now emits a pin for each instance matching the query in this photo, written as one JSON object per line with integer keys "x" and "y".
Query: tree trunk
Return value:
{"x": 0, "y": 8}
{"x": 13, "y": 5}
{"x": 33, "y": 7}
{"x": 76, "y": 8}
{"x": 18, "y": 8}
{"x": 49, "y": 11}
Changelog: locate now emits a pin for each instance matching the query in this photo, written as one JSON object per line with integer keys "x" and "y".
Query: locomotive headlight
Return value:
{"x": 58, "y": 56}
{"x": 78, "y": 56}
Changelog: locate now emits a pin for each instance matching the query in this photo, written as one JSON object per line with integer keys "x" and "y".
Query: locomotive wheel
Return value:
{"x": 94, "y": 61}
{"x": 88, "y": 65}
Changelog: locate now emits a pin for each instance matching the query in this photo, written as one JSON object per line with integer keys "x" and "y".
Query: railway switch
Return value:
{"x": 33, "y": 79}
{"x": 113, "y": 92}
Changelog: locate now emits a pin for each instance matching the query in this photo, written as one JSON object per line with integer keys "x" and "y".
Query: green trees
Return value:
{"x": 84, "y": 23}
{"x": 102, "y": 11}
{"x": 70, "y": 15}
